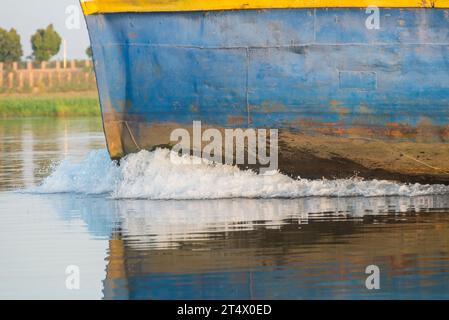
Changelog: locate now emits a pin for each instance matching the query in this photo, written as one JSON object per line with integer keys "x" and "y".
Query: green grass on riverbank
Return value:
{"x": 49, "y": 106}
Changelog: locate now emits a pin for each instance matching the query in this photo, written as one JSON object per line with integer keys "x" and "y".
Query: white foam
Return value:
{"x": 153, "y": 175}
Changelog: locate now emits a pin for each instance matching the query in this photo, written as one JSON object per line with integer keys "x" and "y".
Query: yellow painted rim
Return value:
{"x": 110, "y": 6}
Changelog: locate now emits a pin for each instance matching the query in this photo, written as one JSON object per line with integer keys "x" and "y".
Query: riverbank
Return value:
{"x": 75, "y": 104}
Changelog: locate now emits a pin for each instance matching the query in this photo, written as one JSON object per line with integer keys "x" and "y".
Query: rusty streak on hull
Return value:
{"x": 314, "y": 155}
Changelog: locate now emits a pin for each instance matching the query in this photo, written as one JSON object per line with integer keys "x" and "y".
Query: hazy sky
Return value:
{"x": 28, "y": 15}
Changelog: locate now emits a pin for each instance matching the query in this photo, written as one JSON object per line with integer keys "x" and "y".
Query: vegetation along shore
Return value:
{"x": 76, "y": 104}
{"x": 40, "y": 87}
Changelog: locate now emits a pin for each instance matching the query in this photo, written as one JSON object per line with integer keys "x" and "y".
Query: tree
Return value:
{"x": 10, "y": 46}
{"x": 89, "y": 52}
{"x": 45, "y": 43}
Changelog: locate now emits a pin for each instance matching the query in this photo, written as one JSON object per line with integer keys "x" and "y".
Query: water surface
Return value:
{"x": 127, "y": 248}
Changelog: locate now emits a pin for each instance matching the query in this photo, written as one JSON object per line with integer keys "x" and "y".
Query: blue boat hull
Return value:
{"x": 345, "y": 98}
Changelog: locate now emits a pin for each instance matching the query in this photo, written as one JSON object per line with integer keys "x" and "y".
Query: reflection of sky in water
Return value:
{"x": 235, "y": 248}
{"x": 160, "y": 224}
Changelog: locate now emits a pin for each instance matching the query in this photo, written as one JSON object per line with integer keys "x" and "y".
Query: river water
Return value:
{"x": 75, "y": 225}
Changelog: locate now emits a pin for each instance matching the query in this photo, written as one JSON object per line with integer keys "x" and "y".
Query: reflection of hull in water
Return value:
{"x": 238, "y": 253}
{"x": 344, "y": 97}
{"x": 278, "y": 248}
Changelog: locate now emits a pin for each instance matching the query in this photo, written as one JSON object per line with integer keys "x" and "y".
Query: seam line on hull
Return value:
{"x": 247, "y": 88}
{"x": 406, "y": 155}
{"x": 131, "y": 135}
{"x": 423, "y": 163}
{"x": 286, "y": 46}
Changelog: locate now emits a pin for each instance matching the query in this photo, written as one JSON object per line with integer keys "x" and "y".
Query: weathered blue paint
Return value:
{"x": 279, "y": 68}
{"x": 161, "y": 66}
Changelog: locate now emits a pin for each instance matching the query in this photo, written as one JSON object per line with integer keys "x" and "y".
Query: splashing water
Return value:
{"x": 153, "y": 175}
